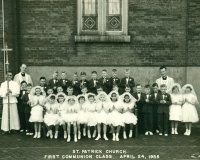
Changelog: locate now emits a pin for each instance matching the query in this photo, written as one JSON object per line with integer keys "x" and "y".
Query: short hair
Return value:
{"x": 81, "y": 97}
{"x": 90, "y": 95}
{"x": 114, "y": 70}
{"x": 147, "y": 86}
{"x": 175, "y": 87}
{"x": 9, "y": 71}
{"x": 83, "y": 87}
{"x": 75, "y": 73}
{"x": 52, "y": 97}
{"x": 127, "y": 70}
{"x": 99, "y": 86}
{"x": 163, "y": 85}
{"x": 42, "y": 78}
{"x": 23, "y": 82}
{"x": 94, "y": 72}
{"x": 155, "y": 85}
{"x": 56, "y": 72}
{"x": 163, "y": 67}
{"x": 104, "y": 70}
{"x": 83, "y": 73}
{"x": 29, "y": 85}
{"x": 138, "y": 85}
{"x": 114, "y": 94}
{"x": 127, "y": 86}
{"x": 189, "y": 88}
{"x": 59, "y": 87}
{"x": 60, "y": 95}
{"x": 69, "y": 87}
{"x": 63, "y": 72}
{"x": 22, "y": 64}
{"x": 48, "y": 88}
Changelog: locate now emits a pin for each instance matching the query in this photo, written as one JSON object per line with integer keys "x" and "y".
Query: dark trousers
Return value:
{"x": 163, "y": 119}
{"x": 141, "y": 122}
{"x": 155, "y": 119}
{"x": 22, "y": 120}
{"x": 148, "y": 122}
{"x": 29, "y": 125}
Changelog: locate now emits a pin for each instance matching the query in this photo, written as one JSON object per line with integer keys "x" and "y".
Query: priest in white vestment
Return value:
{"x": 12, "y": 92}
{"x": 164, "y": 79}
{"x": 23, "y": 76}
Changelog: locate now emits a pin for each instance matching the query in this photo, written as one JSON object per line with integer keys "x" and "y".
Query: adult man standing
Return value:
{"x": 12, "y": 92}
{"x": 164, "y": 79}
{"x": 43, "y": 83}
{"x": 23, "y": 76}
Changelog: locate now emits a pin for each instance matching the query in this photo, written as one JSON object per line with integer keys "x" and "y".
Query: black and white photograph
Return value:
{"x": 99, "y": 79}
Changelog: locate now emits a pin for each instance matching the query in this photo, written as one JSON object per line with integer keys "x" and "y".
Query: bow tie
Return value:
{"x": 23, "y": 74}
{"x": 155, "y": 92}
{"x": 138, "y": 92}
{"x": 163, "y": 93}
{"x": 164, "y": 77}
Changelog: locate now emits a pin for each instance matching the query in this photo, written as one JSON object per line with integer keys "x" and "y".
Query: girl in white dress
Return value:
{"x": 51, "y": 116}
{"x": 82, "y": 119}
{"x": 175, "y": 109}
{"x": 37, "y": 102}
{"x": 72, "y": 116}
{"x": 115, "y": 117}
{"x": 62, "y": 107}
{"x": 189, "y": 112}
{"x": 91, "y": 114}
{"x": 102, "y": 108}
{"x": 128, "y": 115}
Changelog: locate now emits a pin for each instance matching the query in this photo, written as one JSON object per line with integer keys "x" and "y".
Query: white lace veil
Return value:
{"x": 105, "y": 95}
{"x": 175, "y": 85}
{"x": 192, "y": 91}
{"x": 132, "y": 99}
{"x": 32, "y": 92}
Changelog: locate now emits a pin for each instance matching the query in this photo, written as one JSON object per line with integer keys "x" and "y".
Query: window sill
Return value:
{"x": 111, "y": 38}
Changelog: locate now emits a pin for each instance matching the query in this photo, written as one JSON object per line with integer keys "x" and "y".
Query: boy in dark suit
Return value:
{"x": 163, "y": 101}
{"x": 27, "y": 105}
{"x": 70, "y": 91}
{"x": 105, "y": 82}
{"x": 76, "y": 85}
{"x": 84, "y": 81}
{"x": 155, "y": 107}
{"x": 53, "y": 83}
{"x": 127, "y": 80}
{"x": 20, "y": 106}
{"x": 148, "y": 111}
{"x": 43, "y": 83}
{"x": 114, "y": 80}
{"x": 64, "y": 82}
{"x": 93, "y": 83}
{"x": 140, "y": 97}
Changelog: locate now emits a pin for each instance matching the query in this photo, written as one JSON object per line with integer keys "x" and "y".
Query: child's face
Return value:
{"x": 70, "y": 91}
{"x": 115, "y": 88}
{"x": 114, "y": 74}
{"x": 51, "y": 100}
{"x": 114, "y": 97}
{"x": 50, "y": 91}
{"x": 138, "y": 88}
{"x": 60, "y": 99}
{"x": 175, "y": 90}
{"x": 55, "y": 76}
{"x": 94, "y": 75}
{"x": 104, "y": 74}
{"x": 126, "y": 99}
{"x": 127, "y": 89}
{"x": 147, "y": 90}
{"x": 127, "y": 74}
{"x": 37, "y": 92}
{"x": 63, "y": 75}
{"x": 71, "y": 101}
{"x": 24, "y": 85}
{"x": 155, "y": 89}
{"x": 83, "y": 77}
{"x": 75, "y": 77}
{"x": 187, "y": 90}
{"x": 163, "y": 89}
{"x": 91, "y": 99}
{"x": 99, "y": 90}
{"x": 102, "y": 98}
{"x": 29, "y": 89}
{"x": 84, "y": 90}
{"x": 59, "y": 89}
{"x": 42, "y": 82}
{"x": 81, "y": 100}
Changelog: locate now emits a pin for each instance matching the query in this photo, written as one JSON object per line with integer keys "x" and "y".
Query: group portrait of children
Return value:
{"x": 96, "y": 107}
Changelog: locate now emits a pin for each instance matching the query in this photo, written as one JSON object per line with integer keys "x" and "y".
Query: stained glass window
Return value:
{"x": 114, "y": 15}
{"x": 89, "y": 15}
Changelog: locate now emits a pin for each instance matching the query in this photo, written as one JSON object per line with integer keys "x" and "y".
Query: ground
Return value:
{"x": 19, "y": 146}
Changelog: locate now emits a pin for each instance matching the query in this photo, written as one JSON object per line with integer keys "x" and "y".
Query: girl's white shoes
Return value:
{"x": 131, "y": 134}
{"x": 65, "y": 134}
{"x": 39, "y": 135}
{"x": 84, "y": 132}
{"x": 98, "y": 137}
{"x": 79, "y": 135}
{"x": 36, "y": 134}
{"x": 94, "y": 134}
{"x": 105, "y": 137}
{"x": 68, "y": 139}
{"x": 75, "y": 138}
{"x": 187, "y": 132}
{"x": 114, "y": 138}
{"x": 124, "y": 135}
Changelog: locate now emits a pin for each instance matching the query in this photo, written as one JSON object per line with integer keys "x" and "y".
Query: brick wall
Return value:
{"x": 157, "y": 29}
